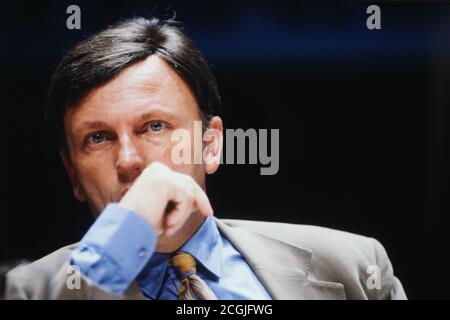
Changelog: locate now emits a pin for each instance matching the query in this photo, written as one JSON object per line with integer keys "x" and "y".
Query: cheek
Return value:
{"x": 161, "y": 153}
{"x": 97, "y": 178}
{"x": 196, "y": 171}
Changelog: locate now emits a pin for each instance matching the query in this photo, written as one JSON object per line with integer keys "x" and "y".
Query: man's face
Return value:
{"x": 121, "y": 127}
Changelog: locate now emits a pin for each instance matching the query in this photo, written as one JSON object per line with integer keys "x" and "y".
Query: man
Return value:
{"x": 115, "y": 101}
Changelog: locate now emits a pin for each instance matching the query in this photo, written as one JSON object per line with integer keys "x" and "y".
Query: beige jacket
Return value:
{"x": 291, "y": 261}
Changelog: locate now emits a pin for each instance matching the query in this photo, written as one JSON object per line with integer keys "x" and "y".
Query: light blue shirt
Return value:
{"x": 119, "y": 248}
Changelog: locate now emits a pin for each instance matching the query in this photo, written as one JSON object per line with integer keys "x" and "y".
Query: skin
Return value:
{"x": 119, "y": 150}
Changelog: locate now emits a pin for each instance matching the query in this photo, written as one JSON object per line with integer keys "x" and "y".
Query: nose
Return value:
{"x": 129, "y": 162}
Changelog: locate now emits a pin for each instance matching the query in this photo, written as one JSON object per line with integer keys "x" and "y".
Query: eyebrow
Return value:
{"x": 148, "y": 115}
{"x": 92, "y": 125}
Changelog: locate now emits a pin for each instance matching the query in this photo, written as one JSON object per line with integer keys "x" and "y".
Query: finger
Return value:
{"x": 201, "y": 200}
{"x": 175, "y": 226}
{"x": 179, "y": 214}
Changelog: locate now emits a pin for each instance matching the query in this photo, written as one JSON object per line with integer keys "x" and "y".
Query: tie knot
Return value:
{"x": 184, "y": 263}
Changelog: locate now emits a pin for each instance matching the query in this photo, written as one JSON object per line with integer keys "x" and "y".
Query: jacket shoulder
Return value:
{"x": 31, "y": 281}
{"x": 336, "y": 256}
{"x": 314, "y": 238}
{"x": 47, "y": 265}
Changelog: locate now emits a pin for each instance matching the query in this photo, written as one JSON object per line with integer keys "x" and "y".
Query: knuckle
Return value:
{"x": 190, "y": 191}
{"x": 164, "y": 189}
{"x": 155, "y": 166}
{"x": 190, "y": 179}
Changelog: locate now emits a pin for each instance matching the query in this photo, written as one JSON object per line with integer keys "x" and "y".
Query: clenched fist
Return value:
{"x": 165, "y": 198}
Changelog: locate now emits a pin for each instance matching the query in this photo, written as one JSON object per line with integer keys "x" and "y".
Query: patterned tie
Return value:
{"x": 192, "y": 286}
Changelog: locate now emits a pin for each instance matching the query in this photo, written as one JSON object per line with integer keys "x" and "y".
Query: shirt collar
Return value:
{"x": 205, "y": 245}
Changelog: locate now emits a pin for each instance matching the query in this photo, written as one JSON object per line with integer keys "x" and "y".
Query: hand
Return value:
{"x": 165, "y": 198}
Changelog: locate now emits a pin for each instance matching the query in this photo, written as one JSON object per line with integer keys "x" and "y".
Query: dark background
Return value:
{"x": 363, "y": 119}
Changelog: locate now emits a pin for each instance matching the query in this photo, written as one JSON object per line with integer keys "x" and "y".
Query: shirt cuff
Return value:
{"x": 116, "y": 248}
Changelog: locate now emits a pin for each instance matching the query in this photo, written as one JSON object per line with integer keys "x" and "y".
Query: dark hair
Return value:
{"x": 99, "y": 58}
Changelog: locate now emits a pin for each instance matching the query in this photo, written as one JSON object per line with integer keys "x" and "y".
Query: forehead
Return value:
{"x": 146, "y": 86}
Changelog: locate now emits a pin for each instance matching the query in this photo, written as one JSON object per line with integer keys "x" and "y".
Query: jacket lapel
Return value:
{"x": 282, "y": 268}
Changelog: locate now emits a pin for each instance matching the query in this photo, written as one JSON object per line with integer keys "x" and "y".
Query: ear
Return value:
{"x": 71, "y": 173}
{"x": 213, "y": 140}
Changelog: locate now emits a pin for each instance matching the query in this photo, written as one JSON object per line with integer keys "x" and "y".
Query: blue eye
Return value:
{"x": 157, "y": 126}
{"x": 96, "y": 138}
